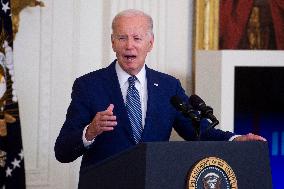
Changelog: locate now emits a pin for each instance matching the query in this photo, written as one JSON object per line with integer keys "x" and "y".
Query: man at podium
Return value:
{"x": 126, "y": 103}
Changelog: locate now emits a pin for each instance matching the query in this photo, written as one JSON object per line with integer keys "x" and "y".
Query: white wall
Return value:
{"x": 66, "y": 39}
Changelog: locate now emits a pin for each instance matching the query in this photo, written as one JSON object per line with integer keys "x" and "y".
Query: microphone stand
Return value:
{"x": 196, "y": 126}
{"x": 188, "y": 112}
{"x": 195, "y": 119}
{"x": 212, "y": 125}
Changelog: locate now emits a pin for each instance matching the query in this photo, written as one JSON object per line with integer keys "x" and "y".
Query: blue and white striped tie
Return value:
{"x": 133, "y": 106}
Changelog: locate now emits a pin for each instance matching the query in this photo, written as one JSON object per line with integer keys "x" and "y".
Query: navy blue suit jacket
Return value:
{"x": 94, "y": 92}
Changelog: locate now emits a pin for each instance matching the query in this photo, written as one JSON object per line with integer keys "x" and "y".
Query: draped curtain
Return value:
{"x": 234, "y": 16}
{"x": 277, "y": 13}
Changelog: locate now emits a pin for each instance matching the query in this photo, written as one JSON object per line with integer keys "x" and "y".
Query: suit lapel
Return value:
{"x": 113, "y": 90}
{"x": 152, "y": 102}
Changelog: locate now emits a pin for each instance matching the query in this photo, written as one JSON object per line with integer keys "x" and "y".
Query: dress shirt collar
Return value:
{"x": 123, "y": 76}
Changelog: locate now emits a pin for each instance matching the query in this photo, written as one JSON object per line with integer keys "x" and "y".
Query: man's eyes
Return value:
{"x": 126, "y": 38}
{"x": 122, "y": 38}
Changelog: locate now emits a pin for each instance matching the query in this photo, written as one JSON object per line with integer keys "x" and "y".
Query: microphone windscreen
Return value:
{"x": 176, "y": 102}
{"x": 184, "y": 108}
{"x": 196, "y": 101}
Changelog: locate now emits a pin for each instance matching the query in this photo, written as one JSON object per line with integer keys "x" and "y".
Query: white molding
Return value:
{"x": 37, "y": 168}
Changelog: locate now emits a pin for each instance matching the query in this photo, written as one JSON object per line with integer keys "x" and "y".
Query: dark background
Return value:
{"x": 259, "y": 108}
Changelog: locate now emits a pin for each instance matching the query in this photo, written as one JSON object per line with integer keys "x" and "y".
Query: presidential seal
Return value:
{"x": 211, "y": 173}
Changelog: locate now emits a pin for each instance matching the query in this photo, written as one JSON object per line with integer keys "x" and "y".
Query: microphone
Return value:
{"x": 186, "y": 109}
{"x": 206, "y": 111}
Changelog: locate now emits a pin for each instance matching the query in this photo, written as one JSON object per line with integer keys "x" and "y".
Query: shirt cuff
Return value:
{"x": 86, "y": 142}
{"x": 233, "y": 137}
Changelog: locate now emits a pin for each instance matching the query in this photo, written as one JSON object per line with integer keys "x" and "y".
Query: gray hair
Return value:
{"x": 133, "y": 12}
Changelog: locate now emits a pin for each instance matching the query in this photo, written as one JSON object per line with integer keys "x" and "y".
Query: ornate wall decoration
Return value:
{"x": 17, "y": 6}
{"x": 206, "y": 24}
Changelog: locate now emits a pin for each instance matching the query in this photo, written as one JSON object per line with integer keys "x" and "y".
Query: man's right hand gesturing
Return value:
{"x": 103, "y": 121}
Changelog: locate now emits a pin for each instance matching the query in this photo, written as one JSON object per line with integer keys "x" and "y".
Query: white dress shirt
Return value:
{"x": 140, "y": 84}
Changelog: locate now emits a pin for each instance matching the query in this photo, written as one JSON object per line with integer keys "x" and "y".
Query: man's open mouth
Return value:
{"x": 130, "y": 57}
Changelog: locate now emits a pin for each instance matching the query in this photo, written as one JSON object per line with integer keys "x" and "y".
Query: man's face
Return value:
{"x": 131, "y": 41}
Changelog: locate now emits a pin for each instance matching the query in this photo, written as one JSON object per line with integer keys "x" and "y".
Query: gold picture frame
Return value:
{"x": 16, "y": 7}
{"x": 206, "y": 30}
{"x": 206, "y": 24}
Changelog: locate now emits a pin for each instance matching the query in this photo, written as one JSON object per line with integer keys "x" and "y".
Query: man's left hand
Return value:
{"x": 249, "y": 137}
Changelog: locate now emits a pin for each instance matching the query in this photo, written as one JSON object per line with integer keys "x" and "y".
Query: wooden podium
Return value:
{"x": 166, "y": 165}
